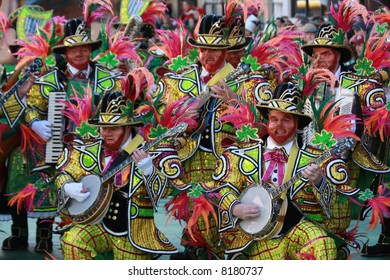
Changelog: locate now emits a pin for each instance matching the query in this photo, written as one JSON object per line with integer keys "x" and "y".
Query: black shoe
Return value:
{"x": 17, "y": 241}
{"x": 44, "y": 245}
{"x": 382, "y": 248}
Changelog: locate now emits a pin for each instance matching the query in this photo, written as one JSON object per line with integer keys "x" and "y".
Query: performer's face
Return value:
{"x": 212, "y": 59}
{"x": 326, "y": 58}
{"x": 234, "y": 57}
{"x": 114, "y": 137}
{"x": 281, "y": 126}
{"x": 78, "y": 56}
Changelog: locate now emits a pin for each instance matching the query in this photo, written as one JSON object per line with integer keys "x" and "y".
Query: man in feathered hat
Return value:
{"x": 21, "y": 23}
{"x": 328, "y": 50}
{"x": 121, "y": 219}
{"x": 354, "y": 93}
{"x": 238, "y": 41}
{"x": 201, "y": 148}
{"x": 285, "y": 223}
{"x": 74, "y": 76}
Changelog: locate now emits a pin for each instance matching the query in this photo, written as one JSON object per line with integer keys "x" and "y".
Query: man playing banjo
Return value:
{"x": 293, "y": 230}
{"x": 126, "y": 226}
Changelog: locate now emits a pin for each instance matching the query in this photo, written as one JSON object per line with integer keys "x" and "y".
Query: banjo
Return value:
{"x": 268, "y": 198}
{"x": 94, "y": 208}
{"x": 34, "y": 66}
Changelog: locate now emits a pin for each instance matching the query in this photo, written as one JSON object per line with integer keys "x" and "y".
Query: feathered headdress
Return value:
{"x": 96, "y": 9}
{"x": 41, "y": 44}
{"x": 173, "y": 44}
{"x": 118, "y": 49}
{"x": 79, "y": 109}
{"x": 245, "y": 119}
{"x": 5, "y": 24}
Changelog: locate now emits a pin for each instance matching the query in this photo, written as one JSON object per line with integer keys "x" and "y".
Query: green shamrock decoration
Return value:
{"x": 364, "y": 67}
{"x": 324, "y": 139}
{"x": 252, "y": 61}
{"x": 195, "y": 191}
{"x": 388, "y": 105}
{"x": 179, "y": 63}
{"x": 338, "y": 36}
{"x": 382, "y": 28}
{"x": 246, "y": 133}
{"x": 50, "y": 61}
{"x": 109, "y": 60}
{"x": 367, "y": 194}
{"x": 157, "y": 131}
{"x": 193, "y": 55}
{"x": 87, "y": 131}
{"x": 128, "y": 109}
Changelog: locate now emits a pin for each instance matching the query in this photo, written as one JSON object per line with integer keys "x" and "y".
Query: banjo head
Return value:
{"x": 93, "y": 183}
{"x": 259, "y": 196}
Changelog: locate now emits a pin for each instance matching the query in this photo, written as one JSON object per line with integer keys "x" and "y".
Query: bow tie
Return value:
{"x": 80, "y": 75}
{"x": 278, "y": 155}
{"x": 206, "y": 79}
{"x": 277, "y": 158}
{"x": 111, "y": 153}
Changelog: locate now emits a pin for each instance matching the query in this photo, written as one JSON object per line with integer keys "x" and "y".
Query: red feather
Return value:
{"x": 177, "y": 112}
{"x": 154, "y": 11}
{"x": 347, "y": 13}
{"x": 30, "y": 139}
{"x": 377, "y": 50}
{"x": 377, "y": 121}
{"x": 24, "y": 199}
{"x": 79, "y": 109}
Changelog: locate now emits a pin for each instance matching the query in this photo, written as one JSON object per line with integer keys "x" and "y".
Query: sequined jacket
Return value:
{"x": 56, "y": 80}
{"x": 200, "y": 149}
{"x": 131, "y": 209}
{"x": 241, "y": 167}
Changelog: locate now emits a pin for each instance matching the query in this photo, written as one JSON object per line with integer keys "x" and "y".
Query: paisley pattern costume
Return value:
{"x": 200, "y": 149}
{"x": 129, "y": 220}
{"x": 309, "y": 210}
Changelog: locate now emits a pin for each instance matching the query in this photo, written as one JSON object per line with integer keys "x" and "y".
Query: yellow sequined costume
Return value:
{"x": 200, "y": 149}
{"x": 305, "y": 235}
{"x": 128, "y": 228}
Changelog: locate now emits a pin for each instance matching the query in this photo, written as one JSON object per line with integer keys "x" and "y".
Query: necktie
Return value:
{"x": 80, "y": 75}
{"x": 111, "y": 153}
{"x": 206, "y": 79}
{"x": 277, "y": 158}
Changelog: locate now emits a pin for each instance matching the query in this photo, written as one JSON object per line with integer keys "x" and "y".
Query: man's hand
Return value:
{"x": 26, "y": 86}
{"x": 245, "y": 211}
{"x": 223, "y": 92}
{"x": 76, "y": 191}
{"x": 143, "y": 160}
{"x": 313, "y": 173}
{"x": 43, "y": 129}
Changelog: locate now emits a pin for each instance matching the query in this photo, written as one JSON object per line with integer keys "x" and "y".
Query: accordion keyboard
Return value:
{"x": 55, "y": 145}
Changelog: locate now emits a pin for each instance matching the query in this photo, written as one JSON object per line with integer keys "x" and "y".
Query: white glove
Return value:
{"x": 73, "y": 190}
{"x": 145, "y": 165}
{"x": 43, "y": 129}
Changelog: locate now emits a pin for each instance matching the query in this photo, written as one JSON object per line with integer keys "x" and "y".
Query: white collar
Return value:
{"x": 73, "y": 70}
{"x": 287, "y": 146}
{"x": 338, "y": 71}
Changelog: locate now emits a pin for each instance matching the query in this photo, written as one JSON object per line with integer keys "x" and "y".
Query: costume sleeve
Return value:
{"x": 229, "y": 182}
{"x": 336, "y": 179}
{"x": 167, "y": 172}
{"x": 13, "y": 108}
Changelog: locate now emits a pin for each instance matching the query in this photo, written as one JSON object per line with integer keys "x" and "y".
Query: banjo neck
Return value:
{"x": 33, "y": 67}
{"x": 286, "y": 185}
{"x": 177, "y": 129}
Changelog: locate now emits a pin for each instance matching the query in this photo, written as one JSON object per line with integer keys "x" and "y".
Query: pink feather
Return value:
{"x": 79, "y": 109}
{"x": 347, "y": 13}
{"x": 177, "y": 112}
